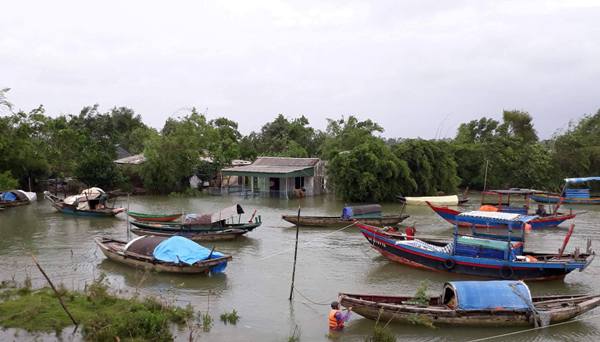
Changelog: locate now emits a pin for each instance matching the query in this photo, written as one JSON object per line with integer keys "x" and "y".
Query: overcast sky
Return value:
{"x": 416, "y": 67}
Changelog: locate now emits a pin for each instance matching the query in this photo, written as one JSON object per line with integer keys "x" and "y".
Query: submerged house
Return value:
{"x": 279, "y": 176}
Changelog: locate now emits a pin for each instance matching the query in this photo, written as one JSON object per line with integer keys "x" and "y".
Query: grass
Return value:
{"x": 381, "y": 334}
{"x": 102, "y": 315}
{"x": 230, "y": 317}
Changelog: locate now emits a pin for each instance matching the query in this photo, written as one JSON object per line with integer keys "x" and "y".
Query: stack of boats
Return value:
{"x": 225, "y": 224}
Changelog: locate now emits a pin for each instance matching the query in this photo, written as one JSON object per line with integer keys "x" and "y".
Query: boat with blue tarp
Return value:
{"x": 164, "y": 254}
{"x": 480, "y": 254}
{"x": 571, "y": 195}
{"x": 474, "y": 303}
{"x": 501, "y": 203}
{"x": 368, "y": 214}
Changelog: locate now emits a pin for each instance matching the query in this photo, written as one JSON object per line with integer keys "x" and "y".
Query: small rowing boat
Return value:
{"x": 153, "y": 217}
{"x": 162, "y": 254}
{"x": 474, "y": 303}
{"x": 367, "y": 214}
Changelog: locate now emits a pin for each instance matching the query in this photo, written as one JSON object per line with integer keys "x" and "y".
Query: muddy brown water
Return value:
{"x": 257, "y": 282}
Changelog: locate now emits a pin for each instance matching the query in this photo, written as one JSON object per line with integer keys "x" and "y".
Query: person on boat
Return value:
{"x": 541, "y": 210}
{"x": 337, "y": 317}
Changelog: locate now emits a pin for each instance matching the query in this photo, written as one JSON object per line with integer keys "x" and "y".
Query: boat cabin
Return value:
{"x": 492, "y": 246}
{"x": 501, "y": 200}
{"x": 487, "y": 295}
{"x": 361, "y": 211}
{"x": 580, "y": 192}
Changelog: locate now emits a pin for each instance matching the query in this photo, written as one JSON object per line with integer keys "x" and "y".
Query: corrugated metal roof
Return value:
{"x": 276, "y": 165}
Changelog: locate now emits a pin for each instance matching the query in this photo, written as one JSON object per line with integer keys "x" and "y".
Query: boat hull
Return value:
{"x": 388, "y": 308}
{"x": 540, "y": 222}
{"x": 112, "y": 249}
{"x": 473, "y": 266}
{"x": 437, "y": 200}
{"x": 154, "y": 218}
{"x": 227, "y": 234}
{"x": 171, "y": 227}
{"x": 336, "y": 221}
{"x": 545, "y": 198}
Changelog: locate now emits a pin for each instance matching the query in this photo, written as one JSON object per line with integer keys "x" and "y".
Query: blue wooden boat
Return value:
{"x": 501, "y": 204}
{"x": 479, "y": 254}
{"x": 570, "y": 195}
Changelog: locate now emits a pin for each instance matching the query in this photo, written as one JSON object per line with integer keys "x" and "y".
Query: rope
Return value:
{"x": 310, "y": 300}
{"x": 306, "y": 242}
{"x": 532, "y": 329}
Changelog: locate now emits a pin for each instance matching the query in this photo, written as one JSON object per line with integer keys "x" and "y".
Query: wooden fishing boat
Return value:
{"x": 474, "y": 303}
{"x": 502, "y": 204}
{"x": 153, "y": 217}
{"x": 219, "y": 235}
{"x": 89, "y": 203}
{"x": 139, "y": 253}
{"x": 368, "y": 214}
{"x": 570, "y": 195}
{"x": 479, "y": 254}
{"x": 15, "y": 198}
{"x": 436, "y": 200}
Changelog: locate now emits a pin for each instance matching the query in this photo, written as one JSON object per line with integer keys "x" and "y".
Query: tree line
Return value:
{"x": 362, "y": 165}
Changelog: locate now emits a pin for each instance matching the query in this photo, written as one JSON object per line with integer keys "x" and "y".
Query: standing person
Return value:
{"x": 337, "y": 317}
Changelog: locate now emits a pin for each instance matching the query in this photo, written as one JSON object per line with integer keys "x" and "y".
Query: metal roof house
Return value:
{"x": 280, "y": 176}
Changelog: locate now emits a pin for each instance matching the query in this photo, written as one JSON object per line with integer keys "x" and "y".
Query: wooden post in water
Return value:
{"x": 128, "y": 230}
{"x": 55, "y": 291}
{"x": 295, "y": 255}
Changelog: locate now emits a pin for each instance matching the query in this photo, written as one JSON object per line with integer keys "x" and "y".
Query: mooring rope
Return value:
{"x": 310, "y": 300}
{"x": 306, "y": 242}
{"x": 532, "y": 329}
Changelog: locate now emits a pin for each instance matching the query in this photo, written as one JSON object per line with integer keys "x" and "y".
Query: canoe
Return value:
{"x": 485, "y": 222}
{"x": 483, "y": 255}
{"x": 474, "y": 303}
{"x": 117, "y": 250}
{"x": 153, "y": 217}
{"x": 437, "y": 200}
{"x": 337, "y": 221}
{"x": 73, "y": 209}
{"x": 226, "y": 234}
{"x": 16, "y": 198}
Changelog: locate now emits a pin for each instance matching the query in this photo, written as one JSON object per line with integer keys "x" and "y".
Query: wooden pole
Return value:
{"x": 295, "y": 255}
{"x": 487, "y": 162}
{"x": 128, "y": 227}
{"x": 55, "y": 291}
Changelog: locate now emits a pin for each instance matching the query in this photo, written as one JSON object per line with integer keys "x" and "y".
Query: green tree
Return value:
{"x": 7, "y": 182}
{"x": 369, "y": 172}
{"x": 431, "y": 163}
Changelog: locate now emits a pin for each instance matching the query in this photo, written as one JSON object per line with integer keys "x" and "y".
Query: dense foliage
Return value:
{"x": 362, "y": 165}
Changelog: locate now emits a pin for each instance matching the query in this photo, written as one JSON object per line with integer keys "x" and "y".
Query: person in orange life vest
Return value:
{"x": 337, "y": 317}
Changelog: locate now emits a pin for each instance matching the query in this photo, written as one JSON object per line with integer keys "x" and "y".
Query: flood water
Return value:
{"x": 257, "y": 282}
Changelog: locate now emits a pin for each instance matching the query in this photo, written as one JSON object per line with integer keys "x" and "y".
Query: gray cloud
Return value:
{"x": 412, "y": 66}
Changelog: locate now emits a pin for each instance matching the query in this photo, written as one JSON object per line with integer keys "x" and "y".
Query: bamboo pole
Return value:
{"x": 128, "y": 224}
{"x": 55, "y": 291}
{"x": 295, "y": 255}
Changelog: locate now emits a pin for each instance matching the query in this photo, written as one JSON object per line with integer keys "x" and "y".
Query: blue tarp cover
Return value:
{"x": 581, "y": 180}
{"x": 180, "y": 249}
{"x": 483, "y": 295}
{"x": 8, "y": 197}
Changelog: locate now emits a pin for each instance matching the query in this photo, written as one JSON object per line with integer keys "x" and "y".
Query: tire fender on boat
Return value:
{"x": 449, "y": 264}
{"x": 506, "y": 272}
